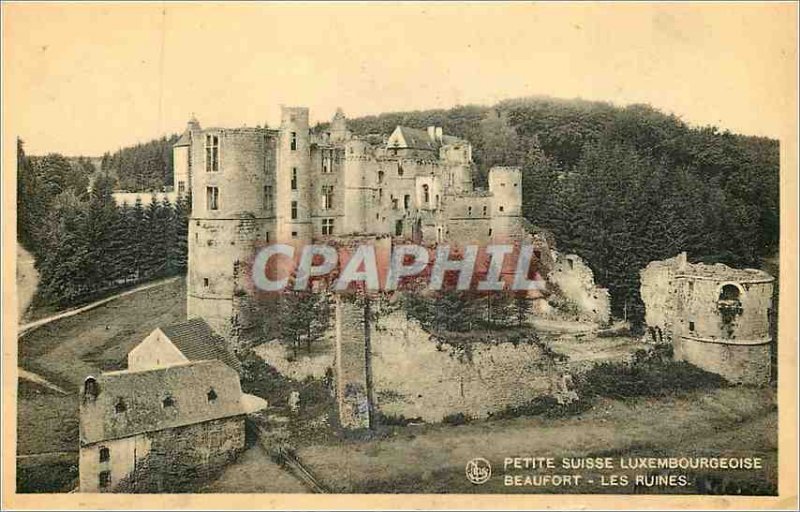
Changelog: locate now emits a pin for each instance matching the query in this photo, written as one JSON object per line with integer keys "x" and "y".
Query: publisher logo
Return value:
{"x": 479, "y": 470}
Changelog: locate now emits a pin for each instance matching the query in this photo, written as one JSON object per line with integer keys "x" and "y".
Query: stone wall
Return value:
{"x": 575, "y": 281}
{"x": 171, "y": 460}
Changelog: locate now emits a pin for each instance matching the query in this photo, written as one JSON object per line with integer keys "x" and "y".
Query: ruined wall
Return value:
{"x": 416, "y": 378}
{"x": 349, "y": 361}
{"x": 658, "y": 295}
{"x": 170, "y": 460}
{"x": 575, "y": 280}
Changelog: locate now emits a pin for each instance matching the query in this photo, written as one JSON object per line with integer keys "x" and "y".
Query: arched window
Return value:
{"x": 729, "y": 292}
{"x": 380, "y": 176}
{"x": 211, "y": 396}
{"x": 105, "y": 454}
{"x": 168, "y": 401}
{"x": 426, "y": 194}
{"x": 120, "y": 406}
{"x": 90, "y": 388}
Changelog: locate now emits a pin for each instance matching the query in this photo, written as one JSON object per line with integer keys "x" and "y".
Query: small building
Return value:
{"x": 192, "y": 340}
{"x": 175, "y": 415}
{"x": 159, "y": 429}
{"x": 715, "y": 316}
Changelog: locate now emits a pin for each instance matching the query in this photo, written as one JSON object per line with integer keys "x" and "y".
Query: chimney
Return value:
{"x": 432, "y": 132}
{"x": 439, "y": 134}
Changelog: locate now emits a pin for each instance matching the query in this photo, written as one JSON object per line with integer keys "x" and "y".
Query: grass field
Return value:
{"x": 65, "y": 352}
{"x": 432, "y": 458}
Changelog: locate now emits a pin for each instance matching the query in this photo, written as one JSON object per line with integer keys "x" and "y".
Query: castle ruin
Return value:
{"x": 715, "y": 316}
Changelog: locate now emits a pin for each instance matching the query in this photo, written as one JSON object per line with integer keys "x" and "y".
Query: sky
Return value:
{"x": 86, "y": 78}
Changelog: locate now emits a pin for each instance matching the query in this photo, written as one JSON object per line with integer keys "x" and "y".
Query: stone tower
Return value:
{"x": 232, "y": 214}
{"x": 293, "y": 176}
{"x": 505, "y": 184}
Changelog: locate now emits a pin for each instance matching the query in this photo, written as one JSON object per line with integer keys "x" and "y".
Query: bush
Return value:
{"x": 391, "y": 420}
{"x": 646, "y": 376}
{"x": 545, "y": 406}
{"x": 458, "y": 418}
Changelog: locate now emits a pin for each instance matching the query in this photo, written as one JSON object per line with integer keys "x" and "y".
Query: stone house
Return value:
{"x": 159, "y": 429}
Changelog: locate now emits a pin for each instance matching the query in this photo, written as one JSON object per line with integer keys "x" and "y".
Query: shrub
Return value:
{"x": 545, "y": 406}
{"x": 395, "y": 421}
{"x": 646, "y": 376}
{"x": 458, "y": 418}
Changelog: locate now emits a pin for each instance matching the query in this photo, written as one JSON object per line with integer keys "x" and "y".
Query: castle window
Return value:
{"x": 120, "y": 406}
{"x": 294, "y": 210}
{"x": 399, "y": 167}
{"x": 490, "y": 231}
{"x": 380, "y": 177}
{"x": 380, "y": 193}
{"x": 104, "y": 479}
{"x": 395, "y": 203}
{"x": 212, "y": 153}
{"x": 437, "y": 200}
{"x": 105, "y": 454}
{"x": 501, "y": 208}
{"x": 571, "y": 264}
{"x": 294, "y": 178}
{"x": 484, "y": 211}
{"x": 211, "y": 396}
{"x": 267, "y": 197}
{"x": 398, "y": 228}
{"x": 294, "y": 234}
{"x": 212, "y": 198}
{"x": 691, "y": 326}
{"x": 205, "y": 282}
{"x": 293, "y": 144}
{"x": 426, "y": 194}
{"x": 469, "y": 211}
{"x": 406, "y": 201}
{"x": 266, "y": 237}
{"x": 327, "y": 197}
{"x": 168, "y": 401}
{"x": 327, "y": 226}
{"x": 181, "y": 188}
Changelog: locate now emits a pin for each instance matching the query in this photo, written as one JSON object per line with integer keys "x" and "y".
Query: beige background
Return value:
{"x": 89, "y": 78}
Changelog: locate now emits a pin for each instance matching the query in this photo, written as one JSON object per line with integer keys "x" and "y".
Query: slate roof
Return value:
{"x": 142, "y": 393}
{"x": 185, "y": 140}
{"x": 419, "y": 139}
{"x": 195, "y": 339}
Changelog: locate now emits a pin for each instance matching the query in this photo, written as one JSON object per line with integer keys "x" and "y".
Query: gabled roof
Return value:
{"x": 142, "y": 395}
{"x": 195, "y": 339}
{"x": 417, "y": 139}
{"x": 420, "y": 139}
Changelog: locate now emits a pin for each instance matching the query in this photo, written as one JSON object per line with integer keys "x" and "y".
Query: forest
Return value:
{"x": 620, "y": 186}
{"x": 85, "y": 244}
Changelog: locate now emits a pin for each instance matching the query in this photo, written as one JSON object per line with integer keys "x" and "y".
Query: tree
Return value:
{"x": 304, "y": 317}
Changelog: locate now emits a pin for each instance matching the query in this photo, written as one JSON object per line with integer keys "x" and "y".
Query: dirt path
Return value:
{"x": 25, "y": 328}
{"x": 38, "y": 379}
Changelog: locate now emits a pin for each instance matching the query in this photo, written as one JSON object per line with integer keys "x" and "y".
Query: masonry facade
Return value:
{"x": 159, "y": 429}
{"x": 252, "y": 186}
{"x": 715, "y": 316}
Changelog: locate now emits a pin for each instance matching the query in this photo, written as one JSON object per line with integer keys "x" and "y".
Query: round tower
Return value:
{"x": 723, "y": 321}
{"x": 293, "y": 176}
{"x": 232, "y": 214}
